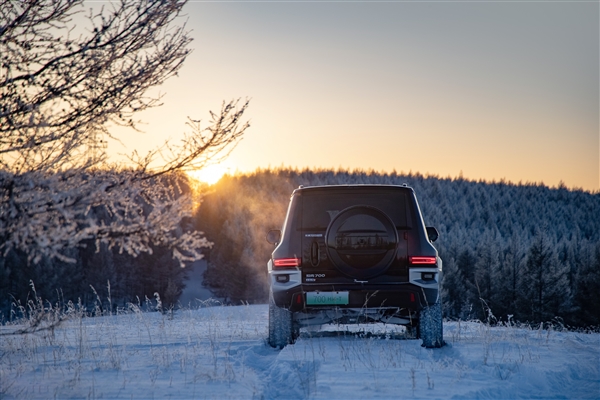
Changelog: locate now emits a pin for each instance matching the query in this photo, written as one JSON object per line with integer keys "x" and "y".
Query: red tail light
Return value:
{"x": 287, "y": 262}
{"x": 423, "y": 260}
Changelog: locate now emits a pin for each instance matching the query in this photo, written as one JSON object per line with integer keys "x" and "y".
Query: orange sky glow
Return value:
{"x": 493, "y": 90}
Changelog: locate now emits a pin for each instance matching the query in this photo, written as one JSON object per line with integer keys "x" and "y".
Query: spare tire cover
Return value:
{"x": 361, "y": 241}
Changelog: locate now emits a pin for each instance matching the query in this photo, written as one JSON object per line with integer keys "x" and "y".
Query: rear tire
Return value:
{"x": 281, "y": 326}
{"x": 431, "y": 328}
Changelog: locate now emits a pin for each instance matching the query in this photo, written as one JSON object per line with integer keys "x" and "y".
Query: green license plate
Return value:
{"x": 326, "y": 298}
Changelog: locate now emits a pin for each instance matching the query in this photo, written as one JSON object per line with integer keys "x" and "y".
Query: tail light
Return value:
{"x": 423, "y": 260}
{"x": 287, "y": 262}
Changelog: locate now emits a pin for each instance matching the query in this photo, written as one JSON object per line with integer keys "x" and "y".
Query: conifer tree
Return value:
{"x": 544, "y": 284}
{"x": 487, "y": 267}
{"x": 587, "y": 294}
{"x": 452, "y": 289}
{"x": 508, "y": 279}
{"x": 466, "y": 264}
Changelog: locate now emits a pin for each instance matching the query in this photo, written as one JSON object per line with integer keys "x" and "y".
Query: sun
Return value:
{"x": 209, "y": 174}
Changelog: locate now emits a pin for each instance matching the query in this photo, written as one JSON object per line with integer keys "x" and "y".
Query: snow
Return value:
{"x": 221, "y": 352}
{"x": 194, "y": 289}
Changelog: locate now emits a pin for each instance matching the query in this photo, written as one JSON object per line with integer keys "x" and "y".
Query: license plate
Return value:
{"x": 326, "y": 298}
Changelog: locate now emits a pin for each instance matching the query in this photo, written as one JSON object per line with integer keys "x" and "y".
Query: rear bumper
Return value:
{"x": 290, "y": 292}
{"x": 406, "y": 296}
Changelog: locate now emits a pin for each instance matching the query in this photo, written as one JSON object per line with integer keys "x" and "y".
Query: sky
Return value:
{"x": 490, "y": 90}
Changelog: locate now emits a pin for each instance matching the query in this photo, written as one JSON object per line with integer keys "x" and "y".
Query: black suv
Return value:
{"x": 354, "y": 254}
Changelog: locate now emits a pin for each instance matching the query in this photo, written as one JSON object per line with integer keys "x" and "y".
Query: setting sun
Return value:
{"x": 209, "y": 174}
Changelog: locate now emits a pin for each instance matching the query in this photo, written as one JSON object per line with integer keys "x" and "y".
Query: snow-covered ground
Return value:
{"x": 194, "y": 289}
{"x": 221, "y": 352}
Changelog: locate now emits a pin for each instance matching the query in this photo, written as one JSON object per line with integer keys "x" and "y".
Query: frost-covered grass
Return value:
{"x": 221, "y": 352}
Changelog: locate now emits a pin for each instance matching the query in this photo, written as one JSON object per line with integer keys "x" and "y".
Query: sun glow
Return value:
{"x": 209, "y": 174}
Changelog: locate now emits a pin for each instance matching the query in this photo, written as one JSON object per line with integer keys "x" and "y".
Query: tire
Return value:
{"x": 361, "y": 242}
{"x": 431, "y": 329}
{"x": 281, "y": 326}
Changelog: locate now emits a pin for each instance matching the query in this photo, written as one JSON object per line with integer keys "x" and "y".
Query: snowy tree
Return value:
{"x": 544, "y": 283}
{"x": 486, "y": 275}
{"x": 587, "y": 295}
{"x": 470, "y": 297}
{"x": 452, "y": 289}
{"x": 61, "y": 87}
{"x": 508, "y": 278}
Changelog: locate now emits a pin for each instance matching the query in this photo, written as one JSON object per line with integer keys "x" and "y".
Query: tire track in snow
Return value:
{"x": 282, "y": 373}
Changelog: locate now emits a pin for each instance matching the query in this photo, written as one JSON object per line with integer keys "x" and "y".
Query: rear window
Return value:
{"x": 320, "y": 208}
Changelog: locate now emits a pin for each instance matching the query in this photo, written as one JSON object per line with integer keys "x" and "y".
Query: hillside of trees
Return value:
{"x": 523, "y": 252}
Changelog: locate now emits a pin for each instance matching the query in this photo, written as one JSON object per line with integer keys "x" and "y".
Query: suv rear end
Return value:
{"x": 354, "y": 254}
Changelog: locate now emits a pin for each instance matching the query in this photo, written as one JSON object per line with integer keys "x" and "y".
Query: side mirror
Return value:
{"x": 432, "y": 233}
{"x": 274, "y": 236}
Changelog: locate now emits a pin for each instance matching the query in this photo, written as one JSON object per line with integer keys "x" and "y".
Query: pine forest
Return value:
{"x": 519, "y": 252}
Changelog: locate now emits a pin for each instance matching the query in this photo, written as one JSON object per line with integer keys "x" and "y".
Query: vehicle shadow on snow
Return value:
{"x": 445, "y": 351}
{"x": 361, "y": 334}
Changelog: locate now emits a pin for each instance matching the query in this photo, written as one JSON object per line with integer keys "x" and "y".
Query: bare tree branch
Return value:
{"x": 57, "y": 90}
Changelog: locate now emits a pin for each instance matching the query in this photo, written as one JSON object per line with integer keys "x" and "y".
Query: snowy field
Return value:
{"x": 221, "y": 352}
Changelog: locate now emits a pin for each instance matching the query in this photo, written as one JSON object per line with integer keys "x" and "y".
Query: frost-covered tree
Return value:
{"x": 452, "y": 289}
{"x": 486, "y": 275}
{"x": 471, "y": 300}
{"x": 508, "y": 278}
{"x": 61, "y": 86}
{"x": 544, "y": 285}
{"x": 587, "y": 294}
